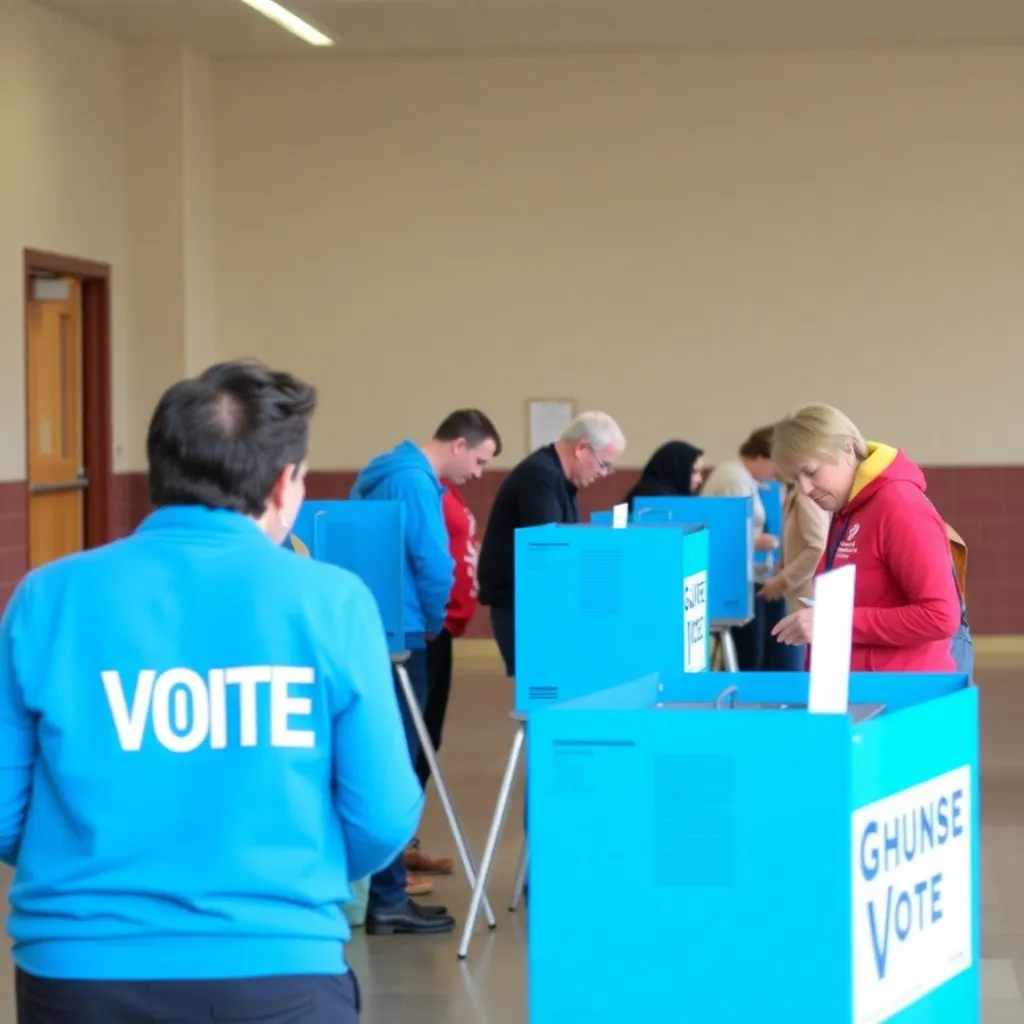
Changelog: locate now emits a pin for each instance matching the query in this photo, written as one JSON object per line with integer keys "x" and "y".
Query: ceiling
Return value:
{"x": 228, "y": 28}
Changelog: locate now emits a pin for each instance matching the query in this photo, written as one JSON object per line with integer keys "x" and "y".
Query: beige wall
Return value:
{"x": 171, "y": 223}
{"x": 108, "y": 156}
{"x": 62, "y": 188}
{"x": 694, "y": 242}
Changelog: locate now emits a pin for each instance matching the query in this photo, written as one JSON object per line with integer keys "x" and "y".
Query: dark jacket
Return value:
{"x": 535, "y": 493}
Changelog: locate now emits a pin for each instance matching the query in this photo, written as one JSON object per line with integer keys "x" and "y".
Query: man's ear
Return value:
{"x": 280, "y": 488}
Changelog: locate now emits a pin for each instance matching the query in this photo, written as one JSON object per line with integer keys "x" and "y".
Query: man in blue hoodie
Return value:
{"x": 459, "y": 450}
{"x": 200, "y": 746}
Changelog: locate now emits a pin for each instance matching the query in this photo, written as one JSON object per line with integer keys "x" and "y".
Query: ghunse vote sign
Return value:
{"x": 912, "y": 894}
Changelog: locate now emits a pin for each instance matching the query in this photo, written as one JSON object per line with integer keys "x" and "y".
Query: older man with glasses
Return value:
{"x": 540, "y": 490}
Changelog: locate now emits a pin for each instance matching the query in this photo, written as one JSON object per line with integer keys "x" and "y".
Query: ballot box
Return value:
{"x": 773, "y": 496}
{"x": 767, "y": 864}
{"x": 366, "y": 538}
{"x": 595, "y": 605}
{"x": 730, "y": 526}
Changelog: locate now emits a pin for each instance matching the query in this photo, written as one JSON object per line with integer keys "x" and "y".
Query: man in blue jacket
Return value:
{"x": 200, "y": 746}
{"x": 459, "y": 450}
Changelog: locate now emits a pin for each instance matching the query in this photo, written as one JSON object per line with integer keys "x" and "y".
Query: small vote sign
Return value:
{"x": 695, "y": 622}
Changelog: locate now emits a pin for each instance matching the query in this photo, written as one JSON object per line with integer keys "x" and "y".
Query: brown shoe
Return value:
{"x": 417, "y": 885}
{"x": 416, "y": 860}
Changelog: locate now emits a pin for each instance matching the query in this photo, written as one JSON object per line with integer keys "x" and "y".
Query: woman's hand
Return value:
{"x": 773, "y": 588}
{"x": 766, "y": 542}
{"x": 795, "y": 629}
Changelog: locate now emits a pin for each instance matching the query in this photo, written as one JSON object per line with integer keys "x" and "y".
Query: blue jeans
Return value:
{"x": 750, "y": 638}
{"x": 785, "y": 657}
{"x": 316, "y": 999}
{"x": 963, "y": 651}
{"x": 779, "y": 657}
{"x": 387, "y": 887}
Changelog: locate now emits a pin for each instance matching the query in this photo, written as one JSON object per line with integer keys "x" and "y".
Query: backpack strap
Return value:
{"x": 958, "y": 555}
{"x": 963, "y": 601}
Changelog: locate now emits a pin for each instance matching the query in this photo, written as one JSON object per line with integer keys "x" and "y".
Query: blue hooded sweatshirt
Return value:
{"x": 200, "y": 748}
{"x": 404, "y": 474}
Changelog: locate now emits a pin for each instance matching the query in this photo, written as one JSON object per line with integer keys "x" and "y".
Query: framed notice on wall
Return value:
{"x": 546, "y": 418}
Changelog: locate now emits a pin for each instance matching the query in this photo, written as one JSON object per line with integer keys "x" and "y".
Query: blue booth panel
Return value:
{"x": 368, "y": 539}
{"x": 595, "y": 605}
{"x": 768, "y": 865}
{"x": 730, "y": 524}
{"x": 773, "y": 496}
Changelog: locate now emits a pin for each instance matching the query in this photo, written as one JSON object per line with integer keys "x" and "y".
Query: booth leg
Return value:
{"x": 497, "y": 823}
{"x": 465, "y": 855}
{"x": 520, "y": 882}
{"x": 729, "y": 658}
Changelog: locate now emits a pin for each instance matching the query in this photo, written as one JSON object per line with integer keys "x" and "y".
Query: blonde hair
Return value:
{"x": 815, "y": 431}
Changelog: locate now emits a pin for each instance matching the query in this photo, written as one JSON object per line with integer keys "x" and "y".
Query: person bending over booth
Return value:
{"x": 741, "y": 477}
{"x": 906, "y": 604}
{"x": 200, "y": 746}
{"x": 540, "y": 490}
{"x": 461, "y": 525}
{"x": 461, "y": 447}
{"x": 675, "y": 470}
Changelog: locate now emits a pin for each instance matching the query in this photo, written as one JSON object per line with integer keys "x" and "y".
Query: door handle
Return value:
{"x": 59, "y": 486}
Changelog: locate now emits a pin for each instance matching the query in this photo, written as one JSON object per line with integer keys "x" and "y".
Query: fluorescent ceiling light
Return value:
{"x": 292, "y": 22}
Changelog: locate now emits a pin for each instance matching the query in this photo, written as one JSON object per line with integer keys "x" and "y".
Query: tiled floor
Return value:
{"x": 421, "y": 981}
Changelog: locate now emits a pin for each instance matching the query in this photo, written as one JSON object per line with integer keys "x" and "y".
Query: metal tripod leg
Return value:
{"x": 497, "y": 824}
{"x": 520, "y": 883}
{"x": 468, "y": 864}
{"x": 729, "y": 658}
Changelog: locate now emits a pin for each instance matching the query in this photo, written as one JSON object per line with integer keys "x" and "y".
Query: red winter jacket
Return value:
{"x": 906, "y": 608}
{"x": 461, "y": 526}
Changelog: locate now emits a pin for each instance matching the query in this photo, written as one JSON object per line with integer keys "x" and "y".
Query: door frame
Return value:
{"x": 96, "y": 397}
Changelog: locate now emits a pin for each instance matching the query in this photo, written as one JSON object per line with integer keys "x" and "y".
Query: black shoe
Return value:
{"x": 408, "y": 919}
{"x": 429, "y": 911}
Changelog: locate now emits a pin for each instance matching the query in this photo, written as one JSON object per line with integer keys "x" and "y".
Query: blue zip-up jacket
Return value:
{"x": 200, "y": 747}
{"x": 404, "y": 474}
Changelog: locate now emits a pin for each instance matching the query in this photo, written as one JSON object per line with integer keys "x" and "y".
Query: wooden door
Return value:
{"x": 56, "y": 475}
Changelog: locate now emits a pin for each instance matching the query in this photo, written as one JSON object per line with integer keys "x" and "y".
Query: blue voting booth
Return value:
{"x": 769, "y": 864}
{"x": 597, "y": 605}
{"x": 730, "y": 525}
{"x": 367, "y": 538}
{"x": 773, "y": 496}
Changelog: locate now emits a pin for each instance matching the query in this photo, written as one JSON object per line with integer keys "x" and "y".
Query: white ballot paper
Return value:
{"x": 620, "y": 515}
{"x": 831, "y": 639}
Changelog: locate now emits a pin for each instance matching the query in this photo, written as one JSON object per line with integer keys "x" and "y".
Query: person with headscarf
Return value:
{"x": 675, "y": 470}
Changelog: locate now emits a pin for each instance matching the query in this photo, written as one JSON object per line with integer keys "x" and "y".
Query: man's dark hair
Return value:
{"x": 759, "y": 444}
{"x": 221, "y": 439}
{"x": 472, "y": 425}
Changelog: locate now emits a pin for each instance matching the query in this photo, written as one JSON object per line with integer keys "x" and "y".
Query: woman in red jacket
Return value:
{"x": 462, "y": 602}
{"x": 906, "y": 604}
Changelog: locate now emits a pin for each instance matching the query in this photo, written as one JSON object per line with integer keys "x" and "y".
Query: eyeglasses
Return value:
{"x": 606, "y": 467}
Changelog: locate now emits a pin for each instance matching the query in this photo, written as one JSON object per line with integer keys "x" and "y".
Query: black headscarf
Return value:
{"x": 668, "y": 472}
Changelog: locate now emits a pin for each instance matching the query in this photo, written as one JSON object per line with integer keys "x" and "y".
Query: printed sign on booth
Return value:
{"x": 912, "y": 894}
{"x": 695, "y": 622}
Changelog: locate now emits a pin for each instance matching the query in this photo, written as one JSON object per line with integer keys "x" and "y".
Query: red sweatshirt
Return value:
{"x": 461, "y": 526}
{"x": 906, "y": 608}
